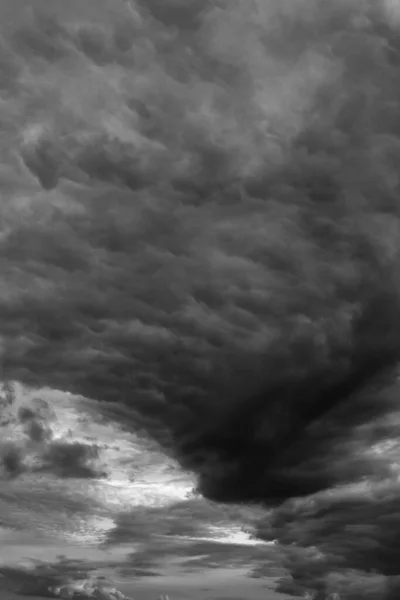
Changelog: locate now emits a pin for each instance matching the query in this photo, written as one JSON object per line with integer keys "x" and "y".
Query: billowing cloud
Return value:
{"x": 201, "y": 223}
{"x": 340, "y": 540}
{"x": 253, "y": 269}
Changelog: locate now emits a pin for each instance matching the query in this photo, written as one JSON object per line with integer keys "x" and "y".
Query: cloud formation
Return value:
{"x": 187, "y": 537}
{"x": 201, "y": 223}
{"x": 344, "y": 540}
{"x": 189, "y": 518}
{"x": 29, "y": 443}
{"x": 253, "y": 269}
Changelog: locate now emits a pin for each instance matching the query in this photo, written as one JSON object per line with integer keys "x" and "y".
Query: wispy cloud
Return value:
{"x": 52, "y": 490}
{"x": 64, "y": 578}
{"x": 187, "y": 536}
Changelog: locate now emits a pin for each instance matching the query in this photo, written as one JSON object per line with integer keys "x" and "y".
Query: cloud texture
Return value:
{"x": 29, "y": 443}
{"x": 200, "y": 222}
{"x": 62, "y": 579}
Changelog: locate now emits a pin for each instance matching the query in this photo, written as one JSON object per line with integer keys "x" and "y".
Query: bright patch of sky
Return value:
{"x": 136, "y": 474}
{"x": 235, "y": 535}
{"x": 83, "y": 511}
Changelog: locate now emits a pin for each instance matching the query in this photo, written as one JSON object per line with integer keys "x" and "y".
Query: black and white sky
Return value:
{"x": 199, "y": 298}
{"x": 83, "y": 498}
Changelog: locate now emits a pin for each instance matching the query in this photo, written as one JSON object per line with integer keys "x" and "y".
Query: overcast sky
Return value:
{"x": 83, "y": 496}
{"x": 199, "y": 296}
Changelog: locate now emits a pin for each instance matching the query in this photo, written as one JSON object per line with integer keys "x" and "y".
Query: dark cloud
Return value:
{"x": 213, "y": 554}
{"x": 12, "y": 460}
{"x": 211, "y": 236}
{"x": 39, "y": 451}
{"x": 72, "y": 459}
{"x": 41, "y": 36}
{"x": 7, "y": 397}
{"x": 177, "y": 13}
{"x": 35, "y": 422}
{"x": 334, "y": 540}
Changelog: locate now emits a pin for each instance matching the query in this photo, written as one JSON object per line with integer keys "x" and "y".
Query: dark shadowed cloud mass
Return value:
{"x": 202, "y": 250}
{"x": 200, "y": 236}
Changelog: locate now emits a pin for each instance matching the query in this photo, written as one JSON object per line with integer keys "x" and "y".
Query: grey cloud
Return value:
{"x": 187, "y": 518}
{"x": 40, "y": 451}
{"x": 50, "y": 580}
{"x": 154, "y": 555}
{"x": 215, "y": 242}
{"x": 43, "y": 507}
{"x": 41, "y": 36}
{"x": 35, "y": 422}
{"x": 12, "y": 460}
{"x": 338, "y": 542}
{"x": 176, "y": 531}
{"x": 164, "y": 298}
{"x": 73, "y": 459}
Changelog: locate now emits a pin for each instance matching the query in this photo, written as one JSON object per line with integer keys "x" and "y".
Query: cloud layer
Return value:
{"x": 200, "y": 223}
{"x": 65, "y": 578}
{"x": 247, "y": 274}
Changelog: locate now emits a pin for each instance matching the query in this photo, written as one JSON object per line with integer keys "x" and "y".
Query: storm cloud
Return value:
{"x": 200, "y": 221}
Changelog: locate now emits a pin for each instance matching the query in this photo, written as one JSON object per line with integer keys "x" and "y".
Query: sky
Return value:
{"x": 81, "y": 496}
{"x": 83, "y": 499}
{"x": 199, "y": 298}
